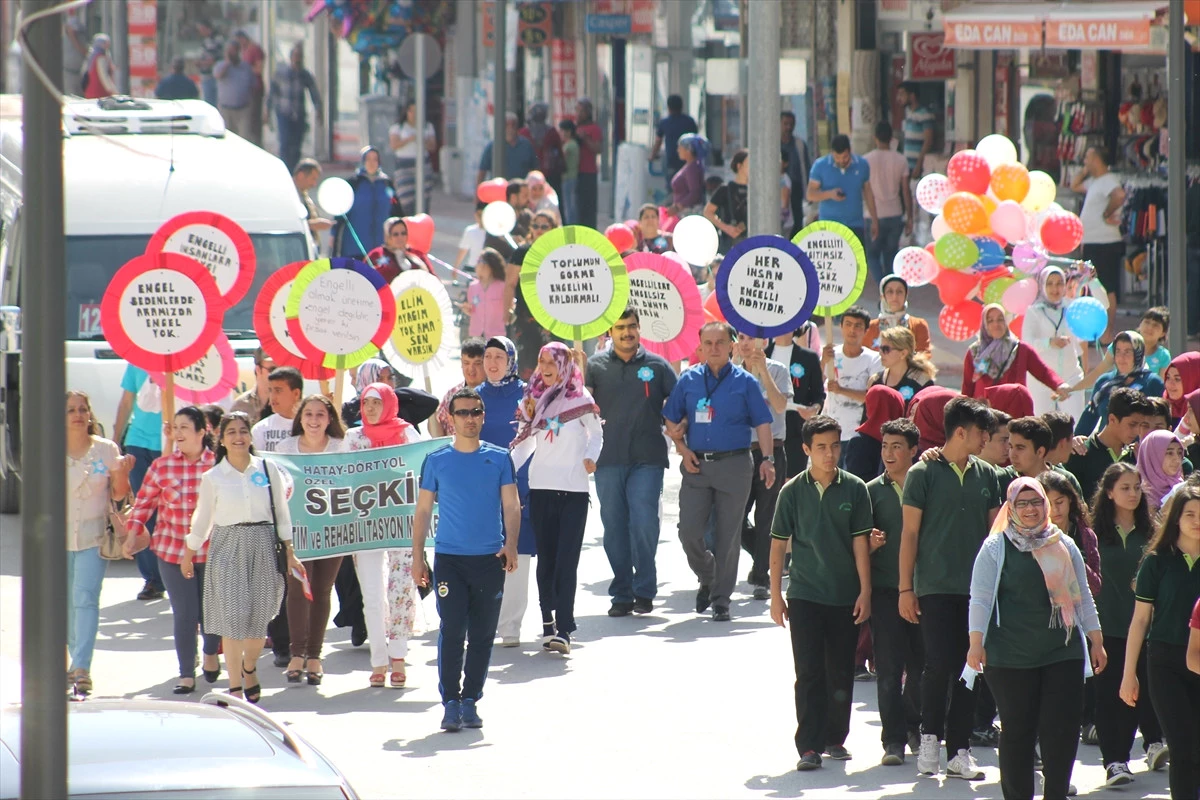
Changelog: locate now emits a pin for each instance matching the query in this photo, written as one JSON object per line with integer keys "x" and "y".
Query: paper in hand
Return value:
{"x": 303, "y": 578}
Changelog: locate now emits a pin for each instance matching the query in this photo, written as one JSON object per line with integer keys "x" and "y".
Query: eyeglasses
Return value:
{"x": 463, "y": 413}
{"x": 1020, "y": 505}
{"x": 884, "y": 349}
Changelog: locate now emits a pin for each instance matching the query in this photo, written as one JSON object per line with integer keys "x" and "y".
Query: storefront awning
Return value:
{"x": 993, "y": 26}
{"x": 1103, "y": 26}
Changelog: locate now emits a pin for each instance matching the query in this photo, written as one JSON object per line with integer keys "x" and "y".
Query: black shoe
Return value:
{"x": 986, "y": 737}
{"x": 861, "y": 673}
{"x": 808, "y": 761}
{"x": 720, "y": 614}
{"x": 183, "y": 688}
{"x": 837, "y": 752}
{"x": 914, "y": 742}
{"x": 282, "y": 660}
{"x": 703, "y": 599}
{"x": 150, "y": 592}
{"x": 893, "y": 755}
{"x": 357, "y": 636}
{"x": 762, "y": 593}
{"x": 642, "y": 605}
{"x": 620, "y": 609}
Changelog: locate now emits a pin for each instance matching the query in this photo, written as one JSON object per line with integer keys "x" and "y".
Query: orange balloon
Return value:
{"x": 965, "y": 213}
{"x": 989, "y": 205}
{"x": 1010, "y": 181}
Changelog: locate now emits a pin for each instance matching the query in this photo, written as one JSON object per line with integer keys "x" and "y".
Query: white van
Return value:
{"x": 128, "y": 166}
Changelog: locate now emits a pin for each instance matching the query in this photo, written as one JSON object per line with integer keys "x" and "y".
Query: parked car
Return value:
{"x": 219, "y": 748}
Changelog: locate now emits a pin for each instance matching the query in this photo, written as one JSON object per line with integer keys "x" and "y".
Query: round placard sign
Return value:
{"x": 766, "y": 286}
{"x": 418, "y": 345}
{"x": 270, "y": 324}
{"x": 841, "y": 264}
{"x": 340, "y": 312}
{"x": 215, "y": 241}
{"x": 161, "y": 312}
{"x": 668, "y": 303}
{"x": 210, "y": 379}
{"x": 574, "y": 282}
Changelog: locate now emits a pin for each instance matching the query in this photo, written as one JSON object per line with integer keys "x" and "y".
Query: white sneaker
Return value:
{"x": 929, "y": 759}
{"x": 962, "y": 766}
{"x": 1117, "y": 774}
{"x": 1157, "y": 756}
{"x": 1071, "y": 790}
{"x": 510, "y": 641}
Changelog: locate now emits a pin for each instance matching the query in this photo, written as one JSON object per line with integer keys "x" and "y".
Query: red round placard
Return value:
{"x": 216, "y": 242}
{"x": 270, "y": 323}
{"x": 210, "y": 379}
{"x": 162, "y": 312}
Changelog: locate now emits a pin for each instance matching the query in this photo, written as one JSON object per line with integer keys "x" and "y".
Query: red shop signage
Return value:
{"x": 930, "y": 58}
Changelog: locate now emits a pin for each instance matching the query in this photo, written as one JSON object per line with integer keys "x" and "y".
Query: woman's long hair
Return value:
{"x": 1054, "y": 481}
{"x": 902, "y": 338}
{"x": 1104, "y": 510}
{"x": 93, "y": 428}
{"x": 226, "y": 421}
{"x": 199, "y": 421}
{"x": 334, "y": 430}
{"x": 1166, "y": 538}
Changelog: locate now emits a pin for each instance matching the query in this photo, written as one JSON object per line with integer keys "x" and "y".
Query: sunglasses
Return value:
{"x": 884, "y": 349}
{"x": 463, "y": 413}
{"x": 539, "y": 227}
{"x": 1023, "y": 504}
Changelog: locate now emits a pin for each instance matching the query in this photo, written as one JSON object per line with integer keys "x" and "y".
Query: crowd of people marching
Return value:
{"x": 1007, "y": 550}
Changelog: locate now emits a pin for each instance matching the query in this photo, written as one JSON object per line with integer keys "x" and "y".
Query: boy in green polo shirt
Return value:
{"x": 949, "y": 505}
{"x": 1128, "y": 412}
{"x": 898, "y": 645}
{"x": 825, "y": 513}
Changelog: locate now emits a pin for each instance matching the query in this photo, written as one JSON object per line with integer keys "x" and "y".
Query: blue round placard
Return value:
{"x": 766, "y": 286}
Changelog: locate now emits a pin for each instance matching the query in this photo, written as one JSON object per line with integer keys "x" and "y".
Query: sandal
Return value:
{"x": 82, "y": 681}
{"x": 377, "y": 680}
{"x": 253, "y": 693}
{"x": 398, "y": 677}
{"x": 295, "y": 675}
{"x": 315, "y": 675}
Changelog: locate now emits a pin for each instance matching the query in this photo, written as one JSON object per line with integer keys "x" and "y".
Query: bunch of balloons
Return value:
{"x": 986, "y": 201}
{"x": 374, "y": 27}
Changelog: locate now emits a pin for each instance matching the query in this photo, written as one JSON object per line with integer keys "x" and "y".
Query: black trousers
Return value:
{"x": 1117, "y": 723}
{"x": 823, "y": 640}
{"x": 1043, "y": 703}
{"x": 947, "y": 705}
{"x": 587, "y": 195}
{"x": 1175, "y": 693}
{"x": 899, "y": 659}
{"x": 469, "y": 591}
{"x": 558, "y": 519}
{"x": 985, "y": 705}
{"x": 349, "y": 594}
{"x": 762, "y": 501}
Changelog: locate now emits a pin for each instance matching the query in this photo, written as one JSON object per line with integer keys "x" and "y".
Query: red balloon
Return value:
{"x": 420, "y": 232}
{"x": 929, "y": 248}
{"x": 621, "y": 237}
{"x": 492, "y": 191}
{"x": 713, "y": 308}
{"x": 953, "y": 287}
{"x": 969, "y": 172}
{"x": 1061, "y": 232}
{"x": 959, "y": 322}
{"x": 1015, "y": 325}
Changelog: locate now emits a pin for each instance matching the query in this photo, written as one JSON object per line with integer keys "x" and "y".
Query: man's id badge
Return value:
{"x": 704, "y": 412}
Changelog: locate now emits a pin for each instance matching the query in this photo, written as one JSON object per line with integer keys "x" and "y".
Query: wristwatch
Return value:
{"x": 769, "y": 459}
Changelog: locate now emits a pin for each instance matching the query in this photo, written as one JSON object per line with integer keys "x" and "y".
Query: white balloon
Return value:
{"x": 939, "y": 227}
{"x": 696, "y": 240}
{"x": 499, "y": 218}
{"x": 335, "y": 195}
{"x": 996, "y": 149}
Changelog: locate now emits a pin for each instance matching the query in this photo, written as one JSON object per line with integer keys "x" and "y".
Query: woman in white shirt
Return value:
{"x": 560, "y": 430}
{"x": 389, "y": 595}
{"x": 242, "y": 507}
{"x": 1047, "y": 332}
{"x": 96, "y": 472}
{"x": 316, "y": 429}
{"x": 403, "y": 139}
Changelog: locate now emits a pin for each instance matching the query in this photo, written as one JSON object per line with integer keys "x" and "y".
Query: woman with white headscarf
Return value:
{"x": 98, "y": 78}
{"x": 1047, "y": 332}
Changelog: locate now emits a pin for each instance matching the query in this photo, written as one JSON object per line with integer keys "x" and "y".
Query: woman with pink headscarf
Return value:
{"x": 1160, "y": 463}
{"x": 561, "y": 437}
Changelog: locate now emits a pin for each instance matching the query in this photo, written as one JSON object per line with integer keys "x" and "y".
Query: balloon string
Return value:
{"x": 438, "y": 262}
{"x": 353, "y": 233}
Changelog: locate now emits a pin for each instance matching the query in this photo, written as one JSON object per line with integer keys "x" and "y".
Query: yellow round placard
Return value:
{"x": 417, "y": 336}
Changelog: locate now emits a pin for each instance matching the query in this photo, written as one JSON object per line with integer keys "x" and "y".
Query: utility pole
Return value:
{"x": 499, "y": 88}
{"x": 1177, "y": 211}
{"x": 420, "y": 81}
{"x": 120, "y": 44}
{"x": 43, "y": 436}
{"x": 764, "y": 103}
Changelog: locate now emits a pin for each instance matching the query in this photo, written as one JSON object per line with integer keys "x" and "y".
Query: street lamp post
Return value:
{"x": 764, "y": 104}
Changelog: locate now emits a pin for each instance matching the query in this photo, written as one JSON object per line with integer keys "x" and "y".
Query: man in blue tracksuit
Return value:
{"x": 479, "y": 520}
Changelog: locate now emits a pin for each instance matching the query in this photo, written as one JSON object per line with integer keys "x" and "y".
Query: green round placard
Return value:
{"x": 574, "y": 283}
{"x": 841, "y": 264}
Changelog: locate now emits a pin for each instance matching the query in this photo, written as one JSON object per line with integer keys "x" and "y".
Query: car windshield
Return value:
{"x": 93, "y": 260}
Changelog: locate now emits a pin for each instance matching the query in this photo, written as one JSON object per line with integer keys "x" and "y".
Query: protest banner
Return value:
{"x": 270, "y": 324}
{"x": 418, "y": 345}
{"x": 216, "y": 242}
{"x": 668, "y": 303}
{"x": 210, "y": 380}
{"x": 766, "y": 286}
{"x": 841, "y": 265}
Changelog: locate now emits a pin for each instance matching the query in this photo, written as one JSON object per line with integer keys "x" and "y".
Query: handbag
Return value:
{"x": 281, "y": 562}
{"x": 113, "y": 539}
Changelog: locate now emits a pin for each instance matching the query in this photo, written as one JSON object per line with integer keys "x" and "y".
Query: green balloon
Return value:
{"x": 956, "y": 251}
{"x": 996, "y": 289}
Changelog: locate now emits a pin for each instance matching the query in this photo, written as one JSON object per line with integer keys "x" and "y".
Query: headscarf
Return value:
{"x": 1013, "y": 399}
{"x": 884, "y": 404}
{"x": 1193, "y": 400}
{"x": 368, "y": 373}
{"x": 1188, "y": 365}
{"x": 1156, "y": 483}
{"x": 695, "y": 144}
{"x": 362, "y": 163}
{"x": 549, "y": 407}
{"x": 1044, "y": 541}
{"x": 1042, "y": 300}
{"x": 390, "y": 428}
{"x": 536, "y": 122}
{"x": 927, "y": 410}
{"x": 510, "y": 350}
{"x": 99, "y": 47}
{"x": 1115, "y": 379}
{"x": 887, "y": 317}
{"x": 992, "y": 356}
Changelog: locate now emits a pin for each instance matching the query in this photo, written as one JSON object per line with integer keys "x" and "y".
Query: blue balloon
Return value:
{"x": 1087, "y": 318}
{"x": 991, "y": 254}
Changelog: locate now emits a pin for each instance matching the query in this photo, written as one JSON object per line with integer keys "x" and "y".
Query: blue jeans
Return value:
{"x": 567, "y": 202}
{"x": 470, "y": 591}
{"x": 629, "y": 511}
{"x": 85, "y": 573}
{"x": 208, "y": 89}
{"x": 291, "y": 139}
{"x": 147, "y": 562}
{"x": 881, "y": 251}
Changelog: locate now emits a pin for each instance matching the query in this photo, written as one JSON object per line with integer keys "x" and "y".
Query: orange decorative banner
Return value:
{"x": 1000, "y": 34}
{"x": 1100, "y": 34}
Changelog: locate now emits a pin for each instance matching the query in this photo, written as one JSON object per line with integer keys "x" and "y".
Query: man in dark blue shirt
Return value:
{"x": 711, "y": 414}
{"x": 479, "y": 519}
{"x": 177, "y": 86}
{"x": 670, "y": 128}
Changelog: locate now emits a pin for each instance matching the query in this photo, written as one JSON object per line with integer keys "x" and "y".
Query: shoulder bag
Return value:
{"x": 281, "y": 562}
{"x": 113, "y": 539}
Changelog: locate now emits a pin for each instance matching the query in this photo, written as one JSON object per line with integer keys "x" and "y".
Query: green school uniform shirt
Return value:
{"x": 1119, "y": 562}
{"x": 1171, "y": 583}
{"x": 1024, "y": 638}
{"x": 887, "y": 508}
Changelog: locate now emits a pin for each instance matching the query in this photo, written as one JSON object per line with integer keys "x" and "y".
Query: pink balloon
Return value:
{"x": 1018, "y": 297}
{"x": 1008, "y": 220}
{"x": 939, "y": 228}
{"x": 916, "y": 266}
{"x": 1028, "y": 259}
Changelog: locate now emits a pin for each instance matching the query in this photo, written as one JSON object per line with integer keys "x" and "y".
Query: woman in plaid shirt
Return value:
{"x": 170, "y": 488}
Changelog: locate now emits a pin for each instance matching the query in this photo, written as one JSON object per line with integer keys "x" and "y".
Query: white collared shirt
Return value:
{"x": 229, "y": 497}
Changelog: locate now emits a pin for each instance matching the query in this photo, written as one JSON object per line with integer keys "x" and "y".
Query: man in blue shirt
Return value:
{"x": 839, "y": 183}
{"x": 670, "y": 128}
{"x": 177, "y": 85}
{"x": 711, "y": 414}
{"x": 479, "y": 519}
{"x": 140, "y": 433}
{"x": 519, "y": 158}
